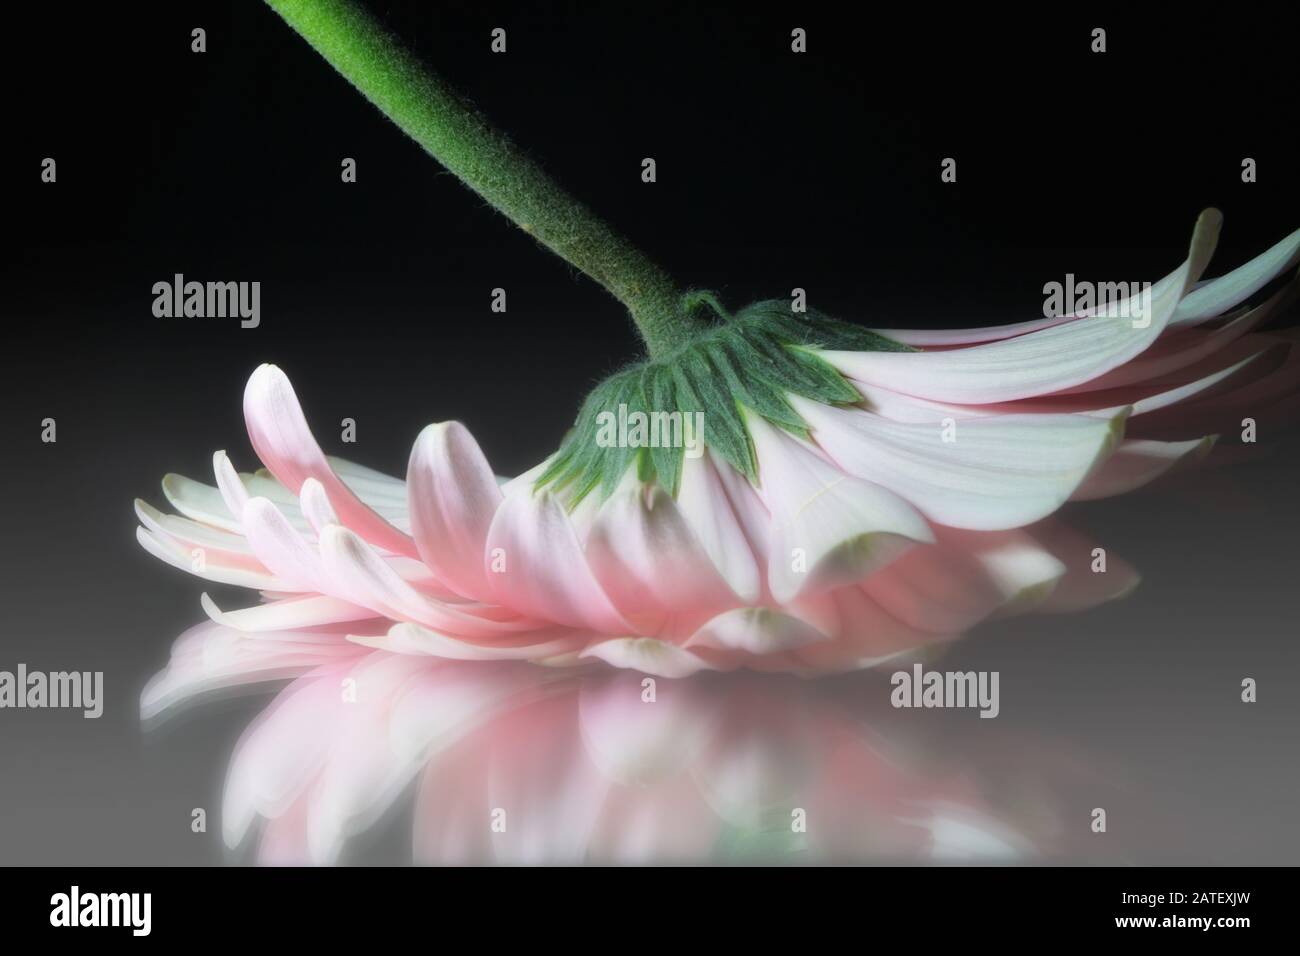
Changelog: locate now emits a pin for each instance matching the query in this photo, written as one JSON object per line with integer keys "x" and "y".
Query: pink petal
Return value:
{"x": 1189, "y": 348}
{"x": 315, "y": 504}
{"x": 200, "y": 502}
{"x": 963, "y": 578}
{"x": 706, "y": 508}
{"x": 1047, "y": 360}
{"x": 232, "y": 489}
{"x": 829, "y": 529}
{"x": 354, "y": 565}
{"x": 284, "y": 442}
{"x": 751, "y": 513}
{"x": 287, "y": 614}
{"x": 650, "y": 563}
{"x": 546, "y": 574}
{"x": 233, "y": 547}
{"x": 221, "y": 567}
{"x": 453, "y": 497}
{"x": 986, "y": 473}
{"x": 1219, "y": 295}
{"x": 282, "y": 548}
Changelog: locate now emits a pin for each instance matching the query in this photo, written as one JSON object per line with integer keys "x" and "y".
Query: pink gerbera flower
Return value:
{"x": 850, "y": 504}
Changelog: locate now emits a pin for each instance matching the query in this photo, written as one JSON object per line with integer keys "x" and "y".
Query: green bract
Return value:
{"x": 748, "y": 363}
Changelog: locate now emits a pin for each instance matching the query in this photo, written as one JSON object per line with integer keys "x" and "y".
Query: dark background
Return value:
{"x": 774, "y": 171}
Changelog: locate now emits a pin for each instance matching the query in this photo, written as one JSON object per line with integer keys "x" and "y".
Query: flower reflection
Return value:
{"x": 512, "y": 763}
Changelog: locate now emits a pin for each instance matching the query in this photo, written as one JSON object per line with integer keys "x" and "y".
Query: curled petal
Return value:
{"x": 284, "y": 442}
{"x": 1219, "y": 295}
{"x": 453, "y": 497}
{"x": 984, "y": 474}
{"x": 828, "y": 529}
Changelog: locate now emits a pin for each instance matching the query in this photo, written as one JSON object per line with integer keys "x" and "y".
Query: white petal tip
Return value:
{"x": 649, "y": 656}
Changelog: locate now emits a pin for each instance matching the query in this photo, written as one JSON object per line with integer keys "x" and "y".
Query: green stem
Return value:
{"x": 462, "y": 139}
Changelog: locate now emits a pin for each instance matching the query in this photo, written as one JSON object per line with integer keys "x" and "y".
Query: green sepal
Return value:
{"x": 699, "y": 388}
{"x": 660, "y": 390}
{"x": 752, "y": 360}
{"x": 759, "y": 395}
{"x": 815, "y": 329}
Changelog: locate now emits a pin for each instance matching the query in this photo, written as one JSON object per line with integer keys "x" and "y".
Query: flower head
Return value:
{"x": 856, "y": 494}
